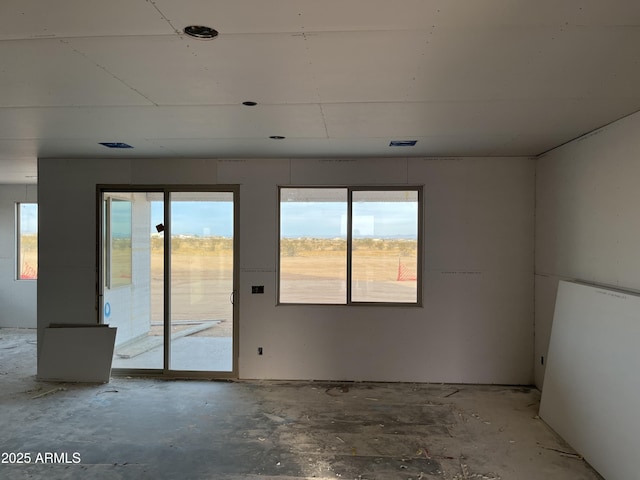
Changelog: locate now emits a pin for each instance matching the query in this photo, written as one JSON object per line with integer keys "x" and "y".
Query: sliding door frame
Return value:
{"x": 166, "y": 191}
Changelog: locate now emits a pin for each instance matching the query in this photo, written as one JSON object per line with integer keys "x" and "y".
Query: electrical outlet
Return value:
{"x": 259, "y": 350}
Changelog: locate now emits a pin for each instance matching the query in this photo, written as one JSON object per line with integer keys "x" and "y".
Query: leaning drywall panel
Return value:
{"x": 591, "y": 393}
{"x": 76, "y": 354}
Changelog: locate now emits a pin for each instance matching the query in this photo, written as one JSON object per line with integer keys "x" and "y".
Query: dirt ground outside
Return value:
{"x": 201, "y": 290}
{"x": 28, "y": 268}
{"x": 315, "y": 271}
{"x": 311, "y": 272}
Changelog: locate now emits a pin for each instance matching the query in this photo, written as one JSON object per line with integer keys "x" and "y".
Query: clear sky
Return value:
{"x": 29, "y": 217}
{"x": 329, "y": 219}
{"x": 196, "y": 218}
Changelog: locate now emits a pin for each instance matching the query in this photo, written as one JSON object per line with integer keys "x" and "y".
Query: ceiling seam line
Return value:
{"x": 289, "y": 32}
{"x": 288, "y": 104}
{"x": 130, "y": 87}
{"x": 164, "y": 17}
{"x": 324, "y": 121}
{"x": 582, "y": 136}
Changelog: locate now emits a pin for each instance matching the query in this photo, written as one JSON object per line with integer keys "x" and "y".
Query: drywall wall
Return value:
{"x": 476, "y": 325}
{"x": 587, "y": 225}
{"x": 17, "y": 297}
{"x": 591, "y": 393}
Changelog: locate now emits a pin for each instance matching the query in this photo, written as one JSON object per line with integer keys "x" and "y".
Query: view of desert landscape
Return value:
{"x": 317, "y": 263}
{"x": 201, "y": 283}
{"x": 312, "y": 270}
{"x": 28, "y": 268}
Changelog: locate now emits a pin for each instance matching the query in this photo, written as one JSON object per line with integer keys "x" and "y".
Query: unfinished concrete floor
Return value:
{"x": 156, "y": 429}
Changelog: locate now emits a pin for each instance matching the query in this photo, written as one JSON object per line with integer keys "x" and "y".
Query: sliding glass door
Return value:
{"x": 168, "y": 279}
{"x": 201, "y": 256}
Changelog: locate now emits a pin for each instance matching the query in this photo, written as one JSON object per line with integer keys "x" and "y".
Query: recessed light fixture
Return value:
{"x": 201, "y": 32}
{"x": 249, "y": 103}
{"x": 276, "y": 137}
{"x": 115, "y": 145}
{"x": 403, "y": 143}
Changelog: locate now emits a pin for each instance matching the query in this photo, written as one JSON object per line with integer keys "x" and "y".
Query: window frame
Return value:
{"x": 18, "y": 257}
{"x": 349, "y": 254}
{"x": 108, "y": 241}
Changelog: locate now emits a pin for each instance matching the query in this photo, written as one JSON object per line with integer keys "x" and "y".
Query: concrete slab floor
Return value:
{"x": 154, "y": 429}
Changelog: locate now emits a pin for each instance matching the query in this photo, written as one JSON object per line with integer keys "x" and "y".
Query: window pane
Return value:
{"x": 201, "y": 281}
{"x": 28, "y": 241}
{"x": 120, "y": 242}
{"x": 385, "y": 241}
{"x": 313, "y": 245}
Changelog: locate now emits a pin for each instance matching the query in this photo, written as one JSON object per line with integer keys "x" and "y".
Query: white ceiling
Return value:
{"x": 337, "y": 78}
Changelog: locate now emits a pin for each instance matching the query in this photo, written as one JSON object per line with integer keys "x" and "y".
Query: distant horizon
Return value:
{"x": 295, "y": 237}
{"x": 358, "y": 237}
{"x": 298, "y": 219}
{"x": 327, "y": 220}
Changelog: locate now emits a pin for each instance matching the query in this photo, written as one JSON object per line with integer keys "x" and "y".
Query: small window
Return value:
{"x": 350, "y": 245}
{"x": 27, "y": 240}
{"x": 117, "y": 244}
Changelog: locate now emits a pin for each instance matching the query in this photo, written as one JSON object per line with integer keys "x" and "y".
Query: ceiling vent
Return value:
{"x": 403, "y": 143}
{"x": 116, "y": 145}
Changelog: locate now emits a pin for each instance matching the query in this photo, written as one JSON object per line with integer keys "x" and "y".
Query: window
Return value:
{"x": 117, "y": 242}
{"x": 350, "y": 245}
{"x": 27, "y": 239}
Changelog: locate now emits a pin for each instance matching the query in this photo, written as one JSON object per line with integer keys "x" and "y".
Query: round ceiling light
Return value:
{"x": 201, "y": 32}
{"x": 250, "y": 103}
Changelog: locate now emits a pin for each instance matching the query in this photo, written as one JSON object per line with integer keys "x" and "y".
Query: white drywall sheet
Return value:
{"x": 591, "y": 394}
{"x": 77, "y": 354}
